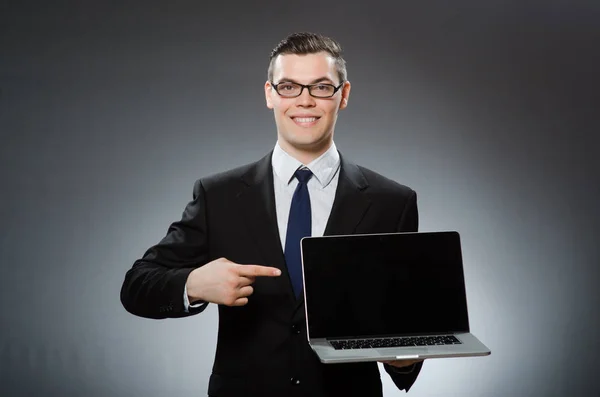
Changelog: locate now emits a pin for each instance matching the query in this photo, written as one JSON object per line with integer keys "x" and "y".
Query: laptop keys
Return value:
{"x": 394, "y": 342}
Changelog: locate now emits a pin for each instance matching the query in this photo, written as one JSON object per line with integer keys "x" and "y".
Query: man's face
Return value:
{"x": 305, "y": 124}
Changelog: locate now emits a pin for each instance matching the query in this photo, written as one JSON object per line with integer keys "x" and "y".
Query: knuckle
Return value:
{"x": 230, "y": 299}
{"x": 232, "y": 281}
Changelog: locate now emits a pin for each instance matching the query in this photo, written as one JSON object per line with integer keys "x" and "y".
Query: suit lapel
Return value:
{"x": 350, "y": 204}
{"x": 257, "y": 203}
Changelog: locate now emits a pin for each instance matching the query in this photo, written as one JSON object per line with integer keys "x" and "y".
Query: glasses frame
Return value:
{"x": 308, "y": 87}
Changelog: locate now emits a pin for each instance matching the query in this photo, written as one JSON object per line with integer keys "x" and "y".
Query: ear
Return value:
{"x": 268, "y": 93}
{"x": 345, "y": 95}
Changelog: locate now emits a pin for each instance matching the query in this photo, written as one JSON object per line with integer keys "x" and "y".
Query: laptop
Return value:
{"x": 389, "y": 296}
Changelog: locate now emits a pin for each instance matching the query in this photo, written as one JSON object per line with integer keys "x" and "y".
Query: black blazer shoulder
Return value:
{"x": 247, "y": 174}
{"x": 380, "y": 184}
{"x": 255, "y": 172}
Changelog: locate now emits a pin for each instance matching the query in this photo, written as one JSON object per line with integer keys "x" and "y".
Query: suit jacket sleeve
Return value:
{"x": 409, "y": 222}
{"x": 154, "y": 285}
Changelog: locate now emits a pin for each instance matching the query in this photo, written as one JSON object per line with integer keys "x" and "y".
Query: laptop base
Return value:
{"x": 470, "y": 347}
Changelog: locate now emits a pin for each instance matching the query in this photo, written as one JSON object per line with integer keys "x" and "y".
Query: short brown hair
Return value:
{"x": 309, "y": 43}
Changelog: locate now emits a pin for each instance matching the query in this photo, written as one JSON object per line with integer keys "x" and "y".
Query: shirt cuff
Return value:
{"x": 186, "y": 301}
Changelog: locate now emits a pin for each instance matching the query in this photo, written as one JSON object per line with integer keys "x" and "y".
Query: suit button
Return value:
{"x": 295, "y": 381}
{"x": 295, "y": 328}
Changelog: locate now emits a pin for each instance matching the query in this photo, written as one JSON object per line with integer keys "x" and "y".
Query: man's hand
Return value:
{"x": 401, "y": 363}
{"x": 224, "y": 282}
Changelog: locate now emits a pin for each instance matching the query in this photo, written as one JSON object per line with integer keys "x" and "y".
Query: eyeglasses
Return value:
{"x": 288, "y": 89}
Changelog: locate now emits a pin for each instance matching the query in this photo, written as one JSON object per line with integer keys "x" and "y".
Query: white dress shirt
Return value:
{"x": 321, "y": 189}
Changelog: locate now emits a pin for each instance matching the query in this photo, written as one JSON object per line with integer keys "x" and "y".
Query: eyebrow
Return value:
{"x": 319, "y": 80}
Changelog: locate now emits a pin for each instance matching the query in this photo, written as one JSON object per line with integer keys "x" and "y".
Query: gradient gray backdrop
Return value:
{"x": 488, "y": 109}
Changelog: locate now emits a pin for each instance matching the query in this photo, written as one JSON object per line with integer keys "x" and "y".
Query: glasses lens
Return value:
{"x": 322, "y": 90}
{"x": 288, "y": 89}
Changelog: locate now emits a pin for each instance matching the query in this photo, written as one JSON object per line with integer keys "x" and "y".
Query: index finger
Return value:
{"x": 257, "y": 270}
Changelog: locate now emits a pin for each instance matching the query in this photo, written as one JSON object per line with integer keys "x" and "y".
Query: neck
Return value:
{"x": 305, "y": 155}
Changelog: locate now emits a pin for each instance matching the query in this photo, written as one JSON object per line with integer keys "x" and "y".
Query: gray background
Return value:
{"x": 109, "y": 112}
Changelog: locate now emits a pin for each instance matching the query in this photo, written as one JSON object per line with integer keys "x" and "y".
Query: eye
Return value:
{"x": 286, "y": 86}
{"x": 322, "y": 87}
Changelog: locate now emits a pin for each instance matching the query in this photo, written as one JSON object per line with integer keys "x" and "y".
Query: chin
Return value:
{"x": 311, "y": 145}
{"x": 306, "y": 139}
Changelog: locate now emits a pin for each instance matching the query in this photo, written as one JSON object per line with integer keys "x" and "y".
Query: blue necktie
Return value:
{"x": 299, "y": 225}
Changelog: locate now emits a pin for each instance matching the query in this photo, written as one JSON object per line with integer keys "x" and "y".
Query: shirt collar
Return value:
{"x": 323, "y": 167}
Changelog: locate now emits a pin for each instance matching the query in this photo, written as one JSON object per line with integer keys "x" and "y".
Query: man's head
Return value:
{"x": 306, "y": 117}
{"x": 309, "y": 43}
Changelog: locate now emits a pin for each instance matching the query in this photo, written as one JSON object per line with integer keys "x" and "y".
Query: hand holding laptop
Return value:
{"x": 401, "y": 363}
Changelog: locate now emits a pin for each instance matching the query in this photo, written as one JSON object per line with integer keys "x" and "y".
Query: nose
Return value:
{"x": 305, "y": 100}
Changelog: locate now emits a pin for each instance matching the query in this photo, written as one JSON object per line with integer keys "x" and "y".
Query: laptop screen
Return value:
{"x": 384, "y": 284}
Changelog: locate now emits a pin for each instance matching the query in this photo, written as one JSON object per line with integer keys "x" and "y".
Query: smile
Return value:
{"x": 305, "y": 121}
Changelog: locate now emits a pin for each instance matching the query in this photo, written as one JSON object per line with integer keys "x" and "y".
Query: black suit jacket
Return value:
{"x": 262, "y": 348}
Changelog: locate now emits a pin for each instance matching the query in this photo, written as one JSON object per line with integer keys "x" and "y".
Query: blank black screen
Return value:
{"x": 377, "y": 285}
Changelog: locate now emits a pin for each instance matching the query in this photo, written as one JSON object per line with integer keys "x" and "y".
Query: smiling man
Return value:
{"x": 306, "y": 91}
{"x": 237, "y": 243}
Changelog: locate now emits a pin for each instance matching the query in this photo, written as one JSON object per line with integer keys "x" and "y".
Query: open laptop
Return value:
{"x": 392, "y": 296}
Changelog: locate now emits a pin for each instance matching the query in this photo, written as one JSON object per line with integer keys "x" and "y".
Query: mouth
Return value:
{"x": 305, "y": 121}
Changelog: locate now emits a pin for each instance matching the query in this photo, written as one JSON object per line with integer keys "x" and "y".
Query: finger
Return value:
{"x": 240, "y": 302}
{"x": 257, "y": 271}
{"x": 243, "y": 281}
{"x": 245, "y": 291}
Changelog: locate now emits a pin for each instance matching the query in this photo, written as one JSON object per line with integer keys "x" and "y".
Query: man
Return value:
{"x": 237, "y": 243}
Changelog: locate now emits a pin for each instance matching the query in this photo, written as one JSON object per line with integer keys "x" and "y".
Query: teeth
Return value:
{"x": 305, "y": 119}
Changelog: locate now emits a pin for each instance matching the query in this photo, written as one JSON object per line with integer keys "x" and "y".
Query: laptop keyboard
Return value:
{"x": 395, "y": 342}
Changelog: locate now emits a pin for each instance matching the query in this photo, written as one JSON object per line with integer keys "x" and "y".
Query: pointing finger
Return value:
{"x": 257, "y": 271}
